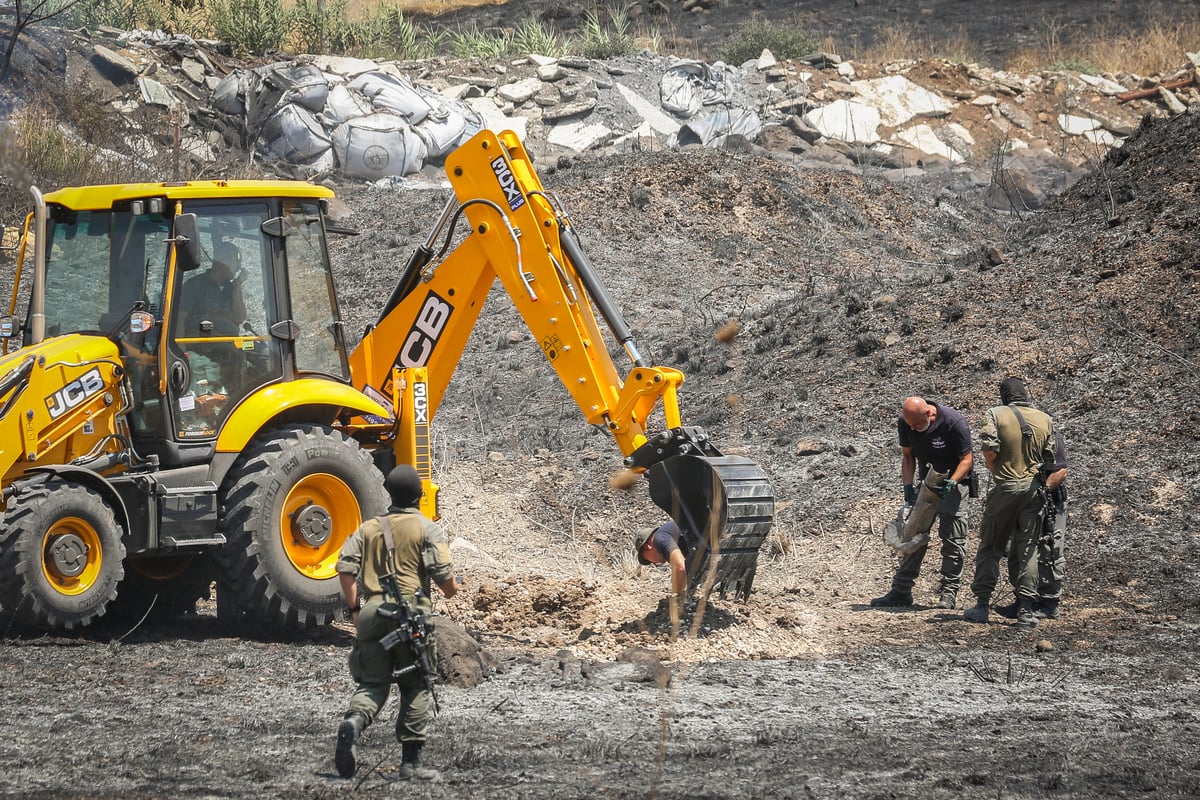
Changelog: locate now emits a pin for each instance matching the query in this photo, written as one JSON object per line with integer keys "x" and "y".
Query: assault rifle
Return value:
{"x": 411, "y": 631}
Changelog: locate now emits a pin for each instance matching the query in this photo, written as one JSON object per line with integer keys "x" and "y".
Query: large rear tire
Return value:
{"x": 60, "y": 555}
{"x": 291, "y": 501}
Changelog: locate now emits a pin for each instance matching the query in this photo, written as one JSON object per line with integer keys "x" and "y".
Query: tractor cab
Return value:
{"x": 246, "y": 302}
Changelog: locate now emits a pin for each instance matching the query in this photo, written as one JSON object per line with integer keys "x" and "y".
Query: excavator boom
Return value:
{"x": 519, "y": 236}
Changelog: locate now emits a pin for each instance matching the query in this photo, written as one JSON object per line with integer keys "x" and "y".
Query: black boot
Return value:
{"x": 893, "y": 599}
{"x": 978, "y": 612}
{"x": 344, "y": 757}
{"x": 410, "y": 763}
{"x": 1025, "y": 617}
{"x": 1009, "y": 611}
{"x": 1047, "y": 608}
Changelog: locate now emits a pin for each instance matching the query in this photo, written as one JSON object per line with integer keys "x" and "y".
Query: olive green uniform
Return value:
{"x": 421, "y": 556}
{"x": 1011, "y": 521}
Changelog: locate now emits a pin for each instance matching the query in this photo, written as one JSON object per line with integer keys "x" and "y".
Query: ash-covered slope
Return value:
{"x": 852, "y": 293}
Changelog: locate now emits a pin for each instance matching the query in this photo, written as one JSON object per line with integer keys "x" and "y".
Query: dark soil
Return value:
{"x": 851, "y": 293}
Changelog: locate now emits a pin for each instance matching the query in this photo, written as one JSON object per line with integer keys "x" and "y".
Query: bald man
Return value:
{"x": 934, "y": 437}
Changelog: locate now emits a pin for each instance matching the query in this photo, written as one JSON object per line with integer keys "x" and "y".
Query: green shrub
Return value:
{"x": 602, "y": 40}
{"x": 252, "y": 27}
{"x": 471, "y": 42}
{"x": 121, "y": 14}
{"x": 316, "y": 29}
{"x": 784, "y": 41}
{"x": 534, "y": 36}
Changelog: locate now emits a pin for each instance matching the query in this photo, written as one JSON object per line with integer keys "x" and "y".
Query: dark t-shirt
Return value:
{"x": 942, "y": 445}
{"x": 668, "y": 538}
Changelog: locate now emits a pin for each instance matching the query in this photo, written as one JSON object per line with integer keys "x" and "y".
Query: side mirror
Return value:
{"x": 188, "y": 253}
{"x": 9, "y": 325}
{"x": 140, "y": 322}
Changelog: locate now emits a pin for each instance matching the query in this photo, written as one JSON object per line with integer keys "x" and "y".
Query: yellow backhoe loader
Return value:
{"x": 178, "y": 405}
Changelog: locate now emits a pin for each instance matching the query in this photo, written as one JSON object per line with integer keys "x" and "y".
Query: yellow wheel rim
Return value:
{"x": 71, "y": 555}
{"x": 319, "y": 514}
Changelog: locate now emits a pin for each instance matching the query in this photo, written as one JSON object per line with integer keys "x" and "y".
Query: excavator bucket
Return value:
{"x": 724, "y": 506}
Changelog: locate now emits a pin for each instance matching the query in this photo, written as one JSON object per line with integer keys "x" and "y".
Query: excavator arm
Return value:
{"x": 519, "y": 236}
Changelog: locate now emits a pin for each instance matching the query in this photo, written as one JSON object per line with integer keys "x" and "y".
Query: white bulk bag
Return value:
{"x": 292, "y": 133}
{"x": 344, "y": 104}
{"x": 393, "y": 95}
{"x": 377, "y": 146}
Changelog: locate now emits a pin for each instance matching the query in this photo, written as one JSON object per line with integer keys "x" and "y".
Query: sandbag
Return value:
{"x": 688, "y": 86}
{"x": 302, "y": 84}
{"x": 712, "y": 130}
{"x": 377, "y": 146}
{"x": 293, "y": 133}
{"x": 393, "y": 95}
{"x": 229, "y": 97}
{"x": 344, "y": 104}
{"x": 447, "y": 127}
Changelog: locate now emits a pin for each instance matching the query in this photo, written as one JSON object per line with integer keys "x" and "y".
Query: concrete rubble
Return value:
{"x": 317, "y": 116}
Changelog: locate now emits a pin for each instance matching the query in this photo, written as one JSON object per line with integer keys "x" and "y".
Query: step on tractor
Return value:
{"x": 178, "y": 403}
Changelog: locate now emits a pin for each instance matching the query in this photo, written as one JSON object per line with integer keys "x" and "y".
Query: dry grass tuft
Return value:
{"x": 1161, "y": 48}
{"x": 903, "y": 42}
{"x": 360, "y": 9}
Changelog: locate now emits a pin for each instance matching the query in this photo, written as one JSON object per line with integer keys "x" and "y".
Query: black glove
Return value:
{"x": 947, "y": 487}
{"x": 910, "y": 494}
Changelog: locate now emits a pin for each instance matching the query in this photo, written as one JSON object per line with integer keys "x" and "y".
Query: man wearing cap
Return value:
{"x": 405, "y": 544}
{"x": 666, "y": 545}
{"x": 1017, "y": 441}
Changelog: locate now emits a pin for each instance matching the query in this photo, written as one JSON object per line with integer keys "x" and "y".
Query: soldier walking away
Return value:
{"x": 404, "y": 550}
{"x": 1017, "y": 441}
{"x": 934, "y": 437}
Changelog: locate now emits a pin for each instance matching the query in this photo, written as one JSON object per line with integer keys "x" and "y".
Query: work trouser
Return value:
{"x": 371, "y": 666}
{"x": 1010, "y": 526}
{"x": 952, "y": 528}
{"x": 1052, "y": 556}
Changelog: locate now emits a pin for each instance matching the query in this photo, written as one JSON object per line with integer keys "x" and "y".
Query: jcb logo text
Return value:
{"x": 427, "y": 328}
{"x": 75, "y": 393}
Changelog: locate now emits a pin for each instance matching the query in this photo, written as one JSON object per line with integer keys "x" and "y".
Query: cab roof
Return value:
{"x": 81, "y": 198}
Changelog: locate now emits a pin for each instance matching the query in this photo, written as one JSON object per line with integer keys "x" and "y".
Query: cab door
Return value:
{"x": 220, "y": 347}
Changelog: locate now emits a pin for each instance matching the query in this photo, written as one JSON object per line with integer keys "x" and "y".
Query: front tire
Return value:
{"x": 291, "y": 501}
{"x": 60, "y": 555}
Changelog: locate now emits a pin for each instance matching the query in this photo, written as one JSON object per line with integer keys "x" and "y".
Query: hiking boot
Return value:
{"x": 979, "y": 613}
{"x": 415, "y": 772}
{"x": 410, "y": 767}
{"x": 344, "y": 757}
{"x": 1009, "y": 611}
{"x": 948, "y": 600}
{"x": 892, "y": 599}
{"x": 1046, "y": 608}
{"x": 1025, "y": 617}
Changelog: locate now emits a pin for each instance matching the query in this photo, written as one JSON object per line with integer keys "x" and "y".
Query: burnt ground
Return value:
{"x": 851, "y": 292}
